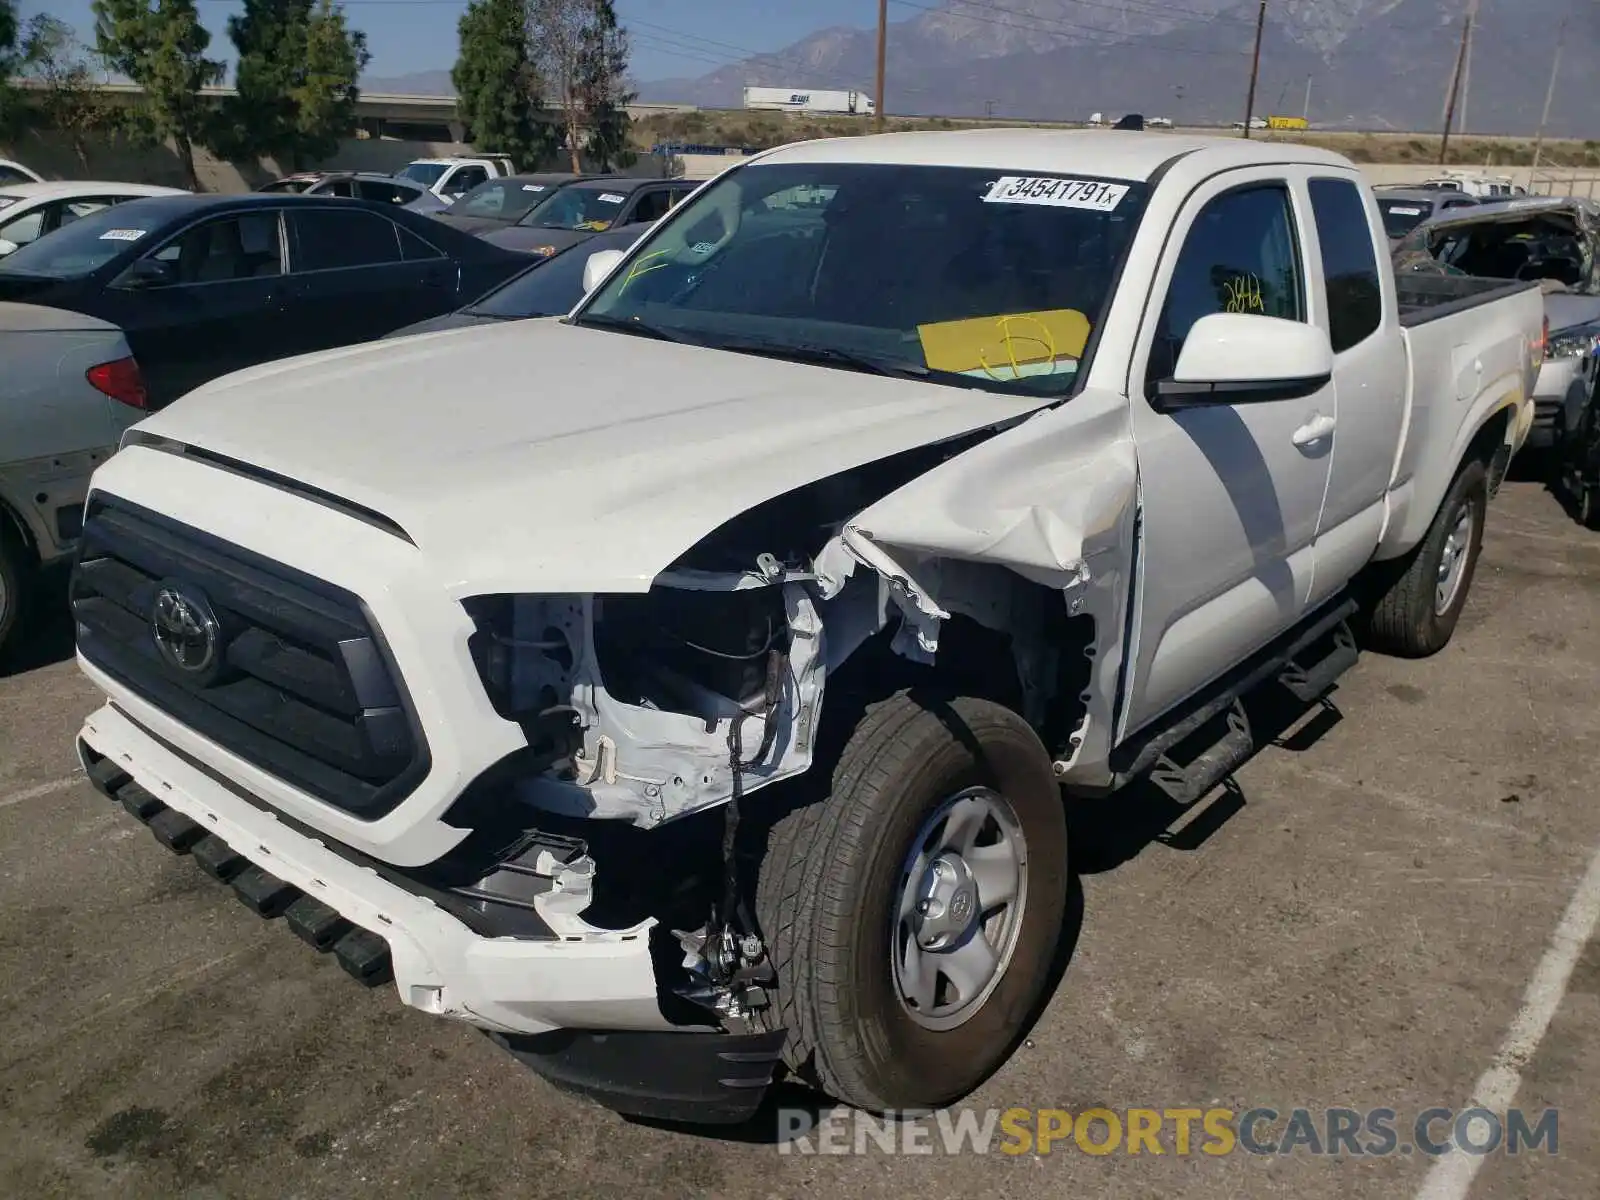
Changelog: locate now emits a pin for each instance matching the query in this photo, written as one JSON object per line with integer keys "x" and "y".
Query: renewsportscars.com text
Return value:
{"x": 1213, "y": 1132}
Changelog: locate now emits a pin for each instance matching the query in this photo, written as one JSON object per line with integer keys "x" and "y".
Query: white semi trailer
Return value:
{"x": 802, "y": 100}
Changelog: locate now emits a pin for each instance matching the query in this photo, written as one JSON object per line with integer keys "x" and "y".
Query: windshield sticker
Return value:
{"x": 639, "y": 268}
{"x": 533, "y": 187}
{"x": 1056, "y": 193}
{"x": 611, "y": 198}
{"x": 703, "y": 247}
{"x": 122, "y": 235}
{"x": 1007, "y": 347}
{"x": 1405, "y": 212}
{"x": 594, "y": 226}
{"x": 7, "y": 201}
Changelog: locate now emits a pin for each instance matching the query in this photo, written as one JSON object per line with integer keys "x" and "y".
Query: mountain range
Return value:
{"x": 1370, "y": 64}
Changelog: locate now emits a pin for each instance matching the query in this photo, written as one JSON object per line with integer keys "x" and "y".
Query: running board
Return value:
{"x": 1290, "y": 662}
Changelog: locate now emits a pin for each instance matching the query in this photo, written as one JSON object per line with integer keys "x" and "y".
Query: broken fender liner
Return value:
{"x": 699, "y": 1078}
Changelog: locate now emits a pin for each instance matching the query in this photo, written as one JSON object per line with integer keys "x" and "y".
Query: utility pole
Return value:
{"x": 1306, "y": 112}
{"x": 1466, "y": 69}
{"x": 1455, "y": 89}
{"x": 1549, "y": 97}
{"x": 1255, "y": 69}
{"x": 883, "y": 48}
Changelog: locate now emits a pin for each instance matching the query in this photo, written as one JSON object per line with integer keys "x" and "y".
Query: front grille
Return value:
{"x": 300, "y": 684}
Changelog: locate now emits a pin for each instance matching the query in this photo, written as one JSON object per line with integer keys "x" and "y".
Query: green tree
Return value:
{"x": 296, "y": 82}
{"x": 161, "y": 46}
{"x": 603, "y": 89}
{"x": 498, "y": 92}
{"x": 67, "y": 96}
{"x": 10, "y": 104}
{"x": 582, "y": 55}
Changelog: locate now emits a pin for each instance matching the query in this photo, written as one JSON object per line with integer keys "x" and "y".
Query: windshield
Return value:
{"x": 549, "y": 288}
{"x": 577, "y": 208}
{"x": 961, "y": 275}
{"x": 427, "y": 174}
{"x": 82, "y": 247}
{"x": 1400, "y": 217}
{"x": 501, "y": 199}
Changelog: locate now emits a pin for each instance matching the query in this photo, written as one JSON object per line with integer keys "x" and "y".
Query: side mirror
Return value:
{"x": 600, "y": 264}
{"x": 7, "y": 246}
{"x": 1244, "y": 358}
{"x": 147, "y": 273}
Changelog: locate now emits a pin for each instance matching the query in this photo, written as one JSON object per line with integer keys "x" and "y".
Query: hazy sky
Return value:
{"x": 670, "y": 37}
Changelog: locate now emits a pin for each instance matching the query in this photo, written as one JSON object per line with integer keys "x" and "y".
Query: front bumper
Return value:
{"x": 582, "y": 978}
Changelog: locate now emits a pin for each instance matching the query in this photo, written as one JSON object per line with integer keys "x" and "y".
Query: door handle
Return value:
{"x": 1314, "y": 430}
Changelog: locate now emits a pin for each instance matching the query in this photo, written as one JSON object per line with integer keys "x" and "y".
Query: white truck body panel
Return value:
{"x": 1192, "y": 536}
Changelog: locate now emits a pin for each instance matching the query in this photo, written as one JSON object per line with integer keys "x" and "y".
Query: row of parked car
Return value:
{"x": 117, "y": 298}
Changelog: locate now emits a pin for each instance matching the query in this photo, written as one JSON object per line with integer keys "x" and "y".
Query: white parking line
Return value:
{"x": 1450, "y": 1177}
{"x": 44, "y": 789}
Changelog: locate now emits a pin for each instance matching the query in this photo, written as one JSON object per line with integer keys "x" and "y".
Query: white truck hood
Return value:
{"x": 538, "y": 456}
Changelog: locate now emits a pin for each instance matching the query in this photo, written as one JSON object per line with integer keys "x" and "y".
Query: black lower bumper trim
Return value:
{"x": 175, "y": 831}
{"x": 365, "y": 957}
{"x": 316, "y": 924}
{"x": 218, "y": 859}
{"x": 264, "y": 894}
{"x": 695, "y": 1078}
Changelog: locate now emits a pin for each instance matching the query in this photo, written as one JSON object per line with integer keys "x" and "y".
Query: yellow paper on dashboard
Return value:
{"x": 1009, "y": 346}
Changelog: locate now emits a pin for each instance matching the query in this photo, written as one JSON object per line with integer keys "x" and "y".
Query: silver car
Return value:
{"x": 69, "y": 390}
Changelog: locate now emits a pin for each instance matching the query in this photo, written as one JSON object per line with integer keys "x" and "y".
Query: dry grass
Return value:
{"x": 765, "y": 129}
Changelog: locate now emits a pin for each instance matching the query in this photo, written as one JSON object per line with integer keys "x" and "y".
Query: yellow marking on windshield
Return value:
{"x": 1005, "y": 346}
{"x": 638, "y": 268}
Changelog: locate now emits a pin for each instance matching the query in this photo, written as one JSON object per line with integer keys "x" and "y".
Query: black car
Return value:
{"x": 580, "y": 210}
{"x": 550, "y": 287}
{"x": 205, "y": 285}
{"x": 497, "y": 203}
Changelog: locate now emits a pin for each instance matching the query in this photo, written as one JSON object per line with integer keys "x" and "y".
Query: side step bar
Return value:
{"x": 1303, "y": 663}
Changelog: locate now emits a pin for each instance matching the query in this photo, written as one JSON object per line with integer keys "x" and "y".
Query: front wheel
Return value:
{"x": 1415, "y": 614}
{"x": 13, "y": 584}
{"x": 913, "y": 914}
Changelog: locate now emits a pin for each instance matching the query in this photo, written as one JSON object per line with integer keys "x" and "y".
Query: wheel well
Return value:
{"x": 13, "y": 528}
{"x": 1490, "y": 447}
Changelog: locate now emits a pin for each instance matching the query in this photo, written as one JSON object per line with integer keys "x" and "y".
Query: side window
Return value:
{"x": 1349, "y": 262}
{"x": 26, "y": 228}
{"x": 241, "y": 247}
{"x": 328, "y": 240}
{"x": 652, "y": 206}
{"x": 73, "y": 209}
{"x": 464, "y": 180}
{"x": 384, "y": 193}
{"x": 416, "y": 249}
{"x": 1241, "y": 255}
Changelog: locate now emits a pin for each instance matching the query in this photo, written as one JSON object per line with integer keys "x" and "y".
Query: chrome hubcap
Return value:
{"x": 962, "y": 892}
{"x": 1453, "y": 563}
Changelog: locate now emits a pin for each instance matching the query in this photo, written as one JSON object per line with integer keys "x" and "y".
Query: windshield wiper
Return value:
{"x": 830, "y": 356}
{"x": 634, "y": 326}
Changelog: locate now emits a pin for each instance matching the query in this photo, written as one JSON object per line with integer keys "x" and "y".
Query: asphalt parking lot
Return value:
{"x": 1376, "y": 917}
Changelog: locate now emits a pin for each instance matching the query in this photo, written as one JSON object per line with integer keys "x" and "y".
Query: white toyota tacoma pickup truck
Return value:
{"x": 699, "y": 692}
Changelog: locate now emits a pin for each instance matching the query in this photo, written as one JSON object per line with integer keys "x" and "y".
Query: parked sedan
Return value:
{"x": 580, "y": 210}
{"x": 367, "y": 185}
{"x": 69, "y": 389}
{"x": 549, "y": 288}
{"x": 205, "y": 285}
{"x": 28, "y": 211}
{"x": 498, "y": 203}
{"x": 1404, "y": 209}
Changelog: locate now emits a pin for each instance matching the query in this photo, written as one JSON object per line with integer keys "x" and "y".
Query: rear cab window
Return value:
{"x": 1349, "y": 262}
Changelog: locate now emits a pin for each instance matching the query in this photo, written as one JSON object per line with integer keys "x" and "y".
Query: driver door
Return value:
{"x": 1231, "y": 492}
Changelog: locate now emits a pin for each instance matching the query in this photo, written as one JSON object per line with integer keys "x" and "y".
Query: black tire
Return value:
{"x": 1404, "y": 619}
{"x": 831, "y": 877}
{"x": 14, "y": 573}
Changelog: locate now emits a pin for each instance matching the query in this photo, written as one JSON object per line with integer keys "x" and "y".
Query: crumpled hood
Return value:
{"x": 539, "y": 456}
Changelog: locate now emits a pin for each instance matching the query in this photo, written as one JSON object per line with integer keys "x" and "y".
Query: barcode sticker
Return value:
{"x": 1056, "y": 193}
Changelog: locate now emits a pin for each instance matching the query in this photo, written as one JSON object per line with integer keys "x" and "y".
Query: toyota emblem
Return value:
{"x": 185, "y": 629}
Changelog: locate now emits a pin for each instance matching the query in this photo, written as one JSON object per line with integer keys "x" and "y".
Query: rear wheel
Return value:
{"x": 913, "y": 914}
{"x": 1421, "y": 600}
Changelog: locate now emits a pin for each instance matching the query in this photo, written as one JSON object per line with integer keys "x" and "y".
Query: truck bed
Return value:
{"x": 1425, "y": 297}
